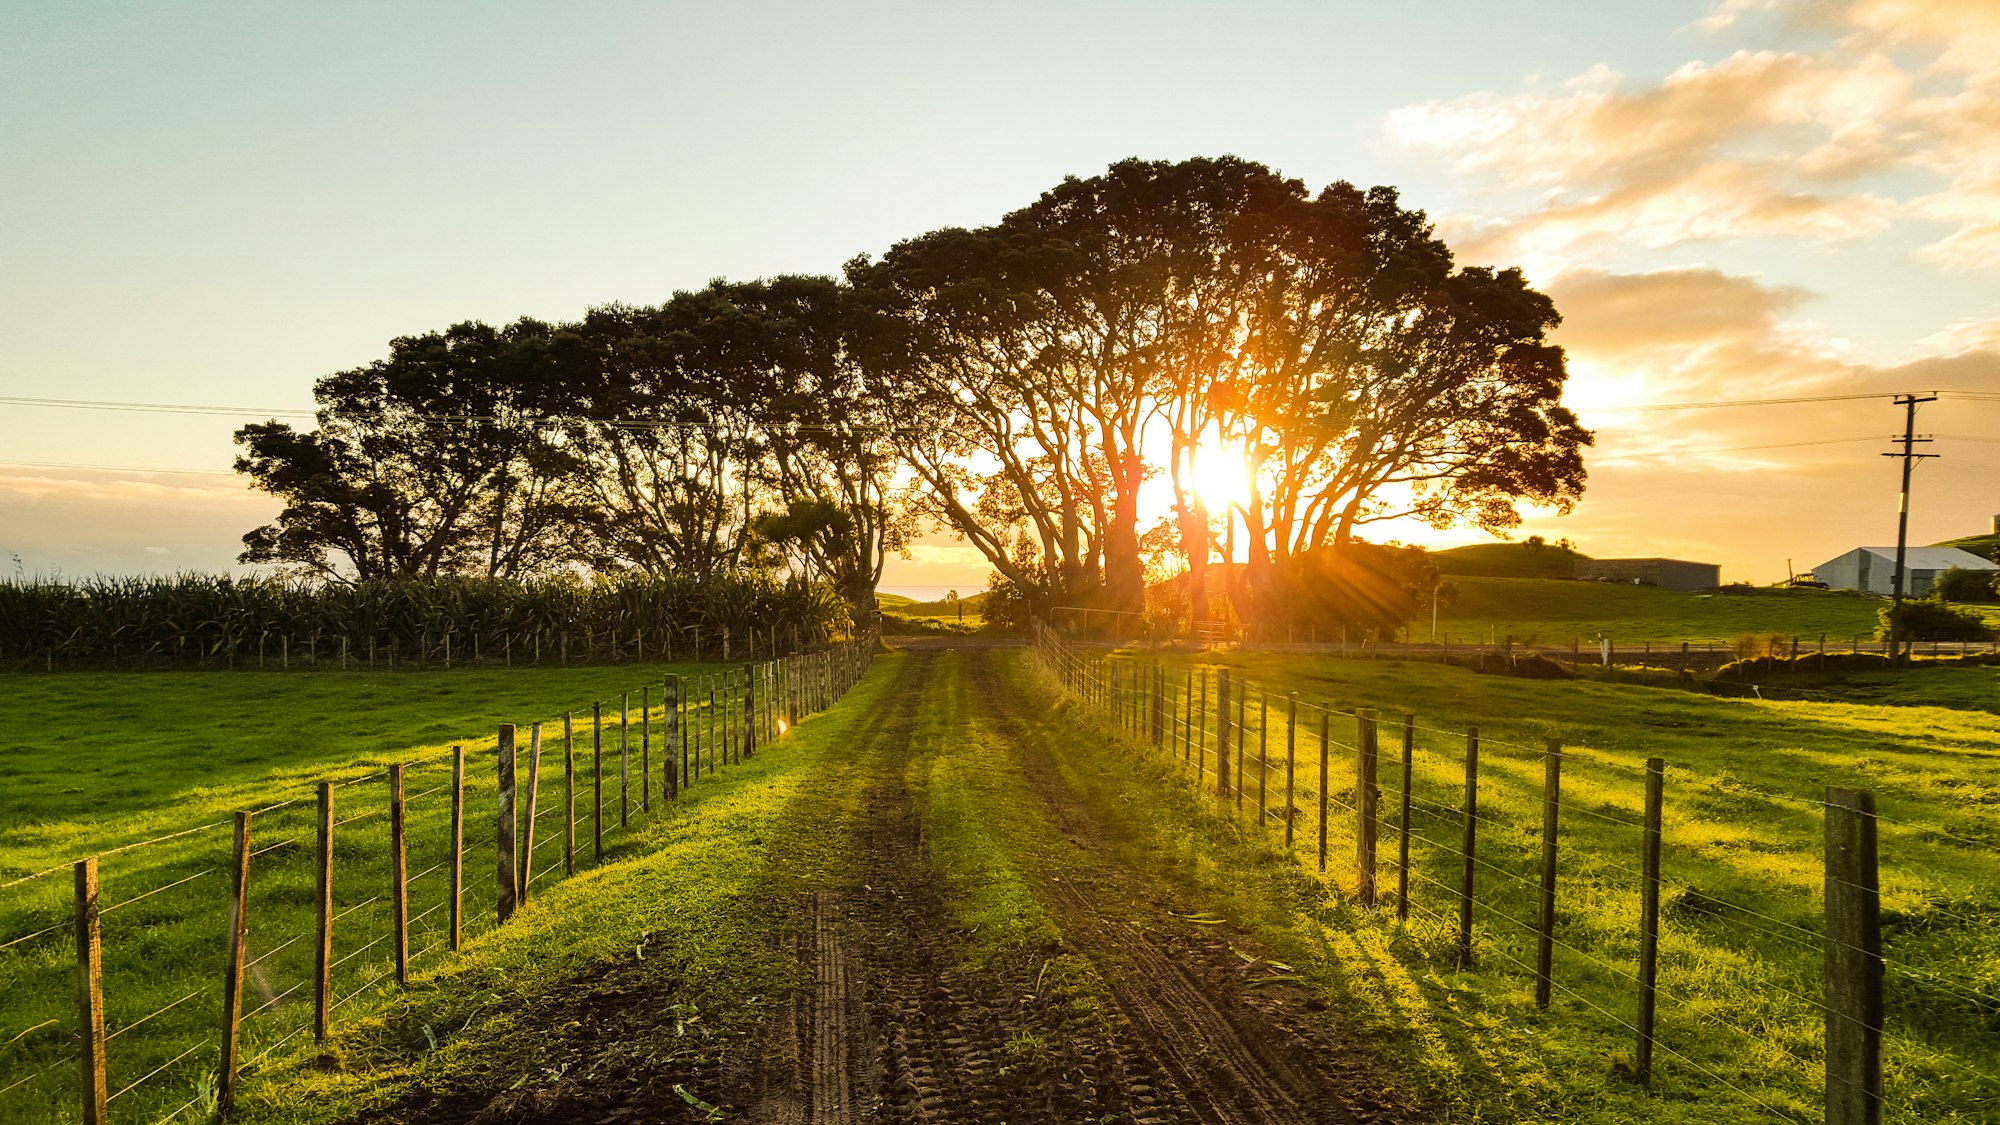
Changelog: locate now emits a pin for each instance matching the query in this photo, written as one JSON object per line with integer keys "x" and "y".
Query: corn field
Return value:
{"x": 211, "y": 620}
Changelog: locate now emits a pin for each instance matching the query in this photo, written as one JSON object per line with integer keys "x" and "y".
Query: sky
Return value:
{"x": 216, "y": 204}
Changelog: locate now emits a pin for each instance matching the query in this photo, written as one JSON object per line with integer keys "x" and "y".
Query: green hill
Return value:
{"x": 1536, "y": 610}
{"x": 1532, "y": 559}
{"x": 1985, "y": 546}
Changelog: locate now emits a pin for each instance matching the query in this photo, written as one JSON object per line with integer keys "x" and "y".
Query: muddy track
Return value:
{"x": 1232, "y": 1054}
{"x": 896, "y": 1028}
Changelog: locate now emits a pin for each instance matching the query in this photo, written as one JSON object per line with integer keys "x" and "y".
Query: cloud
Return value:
{"x": 87, "y": 521}
{"x": 936, "y": 560}
{"x": 1686, "y": 334}
{"x": 1752, "y": 487}
{"x": 1895, "y": 120}
{"x": 1616, "y": 314}
{"x": 1960, "y": 337}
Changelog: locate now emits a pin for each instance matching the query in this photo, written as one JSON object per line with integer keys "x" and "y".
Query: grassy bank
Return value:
{"x": 111, "y": 760}
{"x": 671, "y": 955}
{"x": 1741, "y": 1032}
{"x": 1550, "y": 612}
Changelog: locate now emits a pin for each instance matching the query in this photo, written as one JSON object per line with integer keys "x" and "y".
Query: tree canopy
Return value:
{"x": 1027, "y": 385}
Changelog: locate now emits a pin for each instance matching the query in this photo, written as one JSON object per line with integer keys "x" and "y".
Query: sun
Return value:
{"x": 1219, "y": 475}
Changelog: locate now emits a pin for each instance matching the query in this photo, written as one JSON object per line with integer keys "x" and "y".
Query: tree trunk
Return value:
{"x": 1124, "y": 572}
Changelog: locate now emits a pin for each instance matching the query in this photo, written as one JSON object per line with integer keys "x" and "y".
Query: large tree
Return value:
{"x": 1215, "y": 305}
{"x": 439, "y": 459}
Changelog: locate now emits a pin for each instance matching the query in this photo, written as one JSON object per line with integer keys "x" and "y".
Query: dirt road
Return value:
{"x": 960, "y": 927}
{"x": 899, "y": 1028}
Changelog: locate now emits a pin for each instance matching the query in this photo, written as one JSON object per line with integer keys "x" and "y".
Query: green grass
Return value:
{"x": 1740, "y": 964}
{"x": 1508, "y": 560}
{"x": 978, "y": 815}
{"x": 95, "y": 762}
{"x": 1547, "y": 612}
{"x": 1985, "y": 546}
{"x": 682, "y": 931}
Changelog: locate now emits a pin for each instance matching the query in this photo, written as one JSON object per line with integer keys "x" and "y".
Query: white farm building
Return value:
{"x": 1874, "y": 568}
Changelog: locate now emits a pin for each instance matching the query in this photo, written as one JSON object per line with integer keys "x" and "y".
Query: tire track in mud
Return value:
{"x": 895, "y": 1027}
{"x": 898, "y": 1028}
{"x": 1230, "y": 1059}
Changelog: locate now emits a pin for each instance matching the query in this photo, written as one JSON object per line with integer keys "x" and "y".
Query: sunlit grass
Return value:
{"x": 97, "y": 761}
{"x": 1740, "y": 1029}
{"x": 1555, "y": 612}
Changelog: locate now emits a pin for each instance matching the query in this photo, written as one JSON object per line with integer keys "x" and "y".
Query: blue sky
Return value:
{"x": 220, "y": 203}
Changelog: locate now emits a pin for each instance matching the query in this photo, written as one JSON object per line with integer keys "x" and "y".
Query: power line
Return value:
{"x": 146, "y": 407}
{"x": 1909, "y": 441}
{"x": 301, "y": 412}
{"x": 636, "y": 423}
{"x": 1716, "y": 404}
{"x": 115, "y": 468}
{"x": 1734, "y": 449}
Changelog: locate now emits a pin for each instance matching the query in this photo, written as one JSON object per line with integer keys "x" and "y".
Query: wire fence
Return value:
{"x": 1682, "y": 914}
{"x": 326, "y": 897}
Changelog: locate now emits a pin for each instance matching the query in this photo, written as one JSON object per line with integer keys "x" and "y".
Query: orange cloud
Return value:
{"x": 1791, "y": 144}
{"x": 91, "y": 521}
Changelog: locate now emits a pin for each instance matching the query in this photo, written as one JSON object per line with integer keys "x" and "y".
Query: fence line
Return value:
{"x": 1208, "y": 716}
{"x": 740, "y": 712}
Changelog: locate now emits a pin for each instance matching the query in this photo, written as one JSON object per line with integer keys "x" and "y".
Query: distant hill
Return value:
{"x": 1985, "y": 546}
{"x": 1546, "y": 612}
{"x": 974, "y": 605}
{"x": 1508, "y": 560}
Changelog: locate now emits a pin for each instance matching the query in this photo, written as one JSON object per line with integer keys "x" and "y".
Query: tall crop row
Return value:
{"x": 218, "y": 619}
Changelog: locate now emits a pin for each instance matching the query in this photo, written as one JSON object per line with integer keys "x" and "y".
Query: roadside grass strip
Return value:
{"x": 1740, "y": 1033}
{"x": 704, "y": 893}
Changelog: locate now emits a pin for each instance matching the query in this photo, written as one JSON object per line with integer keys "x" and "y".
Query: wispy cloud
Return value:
{"x": 1896, "y": 119}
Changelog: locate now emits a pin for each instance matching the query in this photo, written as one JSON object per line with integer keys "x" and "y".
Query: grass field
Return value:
{"x": 98, "y": 762}
{"x": 1548, "y": 612}
{"x": 1741, "y": 945}
{"x": 694, "y": 891}
{"x": 1508, "y": 560}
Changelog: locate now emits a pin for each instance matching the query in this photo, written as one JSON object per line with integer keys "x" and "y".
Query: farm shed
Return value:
{"x": 1874, "y": 568}
{"x": 1667, "y": 574}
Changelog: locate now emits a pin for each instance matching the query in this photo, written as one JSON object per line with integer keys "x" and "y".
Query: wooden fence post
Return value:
{"x": 399, "y": 878}
{"x": 1291, "y": 763}
{"x": 232, "y": 973}
{"x": 1366, "y": 805}
{"x": 457, "y": 889}
{"x": 1854, "y": 965}
{"x": 646, "y": 749}
{"x": 527, "y": 874}
{"x": 624, "y": 759}
{"x": 1242, "y": 737}
{"x": 597, "y": 781}
{"x": 90, "y": 995}
{"x": 1649, "y": 918}
{"x": 749, "y": 710}
{"x": 569, "y": 794}
{"x": 687, "y": 731}
{"x": 1465, "y": 885}
{"x": 1263, "y": 758}
{"x": 1222, "y": 734}
{"x": 1187, "y": 718}
{"x": 670, "y": 715}
{"x": 1403, "y": 822}
{"x": 1325, "y": 749}
{"x": 323, "y": 945}
{"x": 504, "y": 824}
{"x": 1546, "y": 931}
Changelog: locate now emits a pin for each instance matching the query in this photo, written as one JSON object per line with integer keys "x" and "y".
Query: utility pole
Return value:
{"x": 1909, "y": 441}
